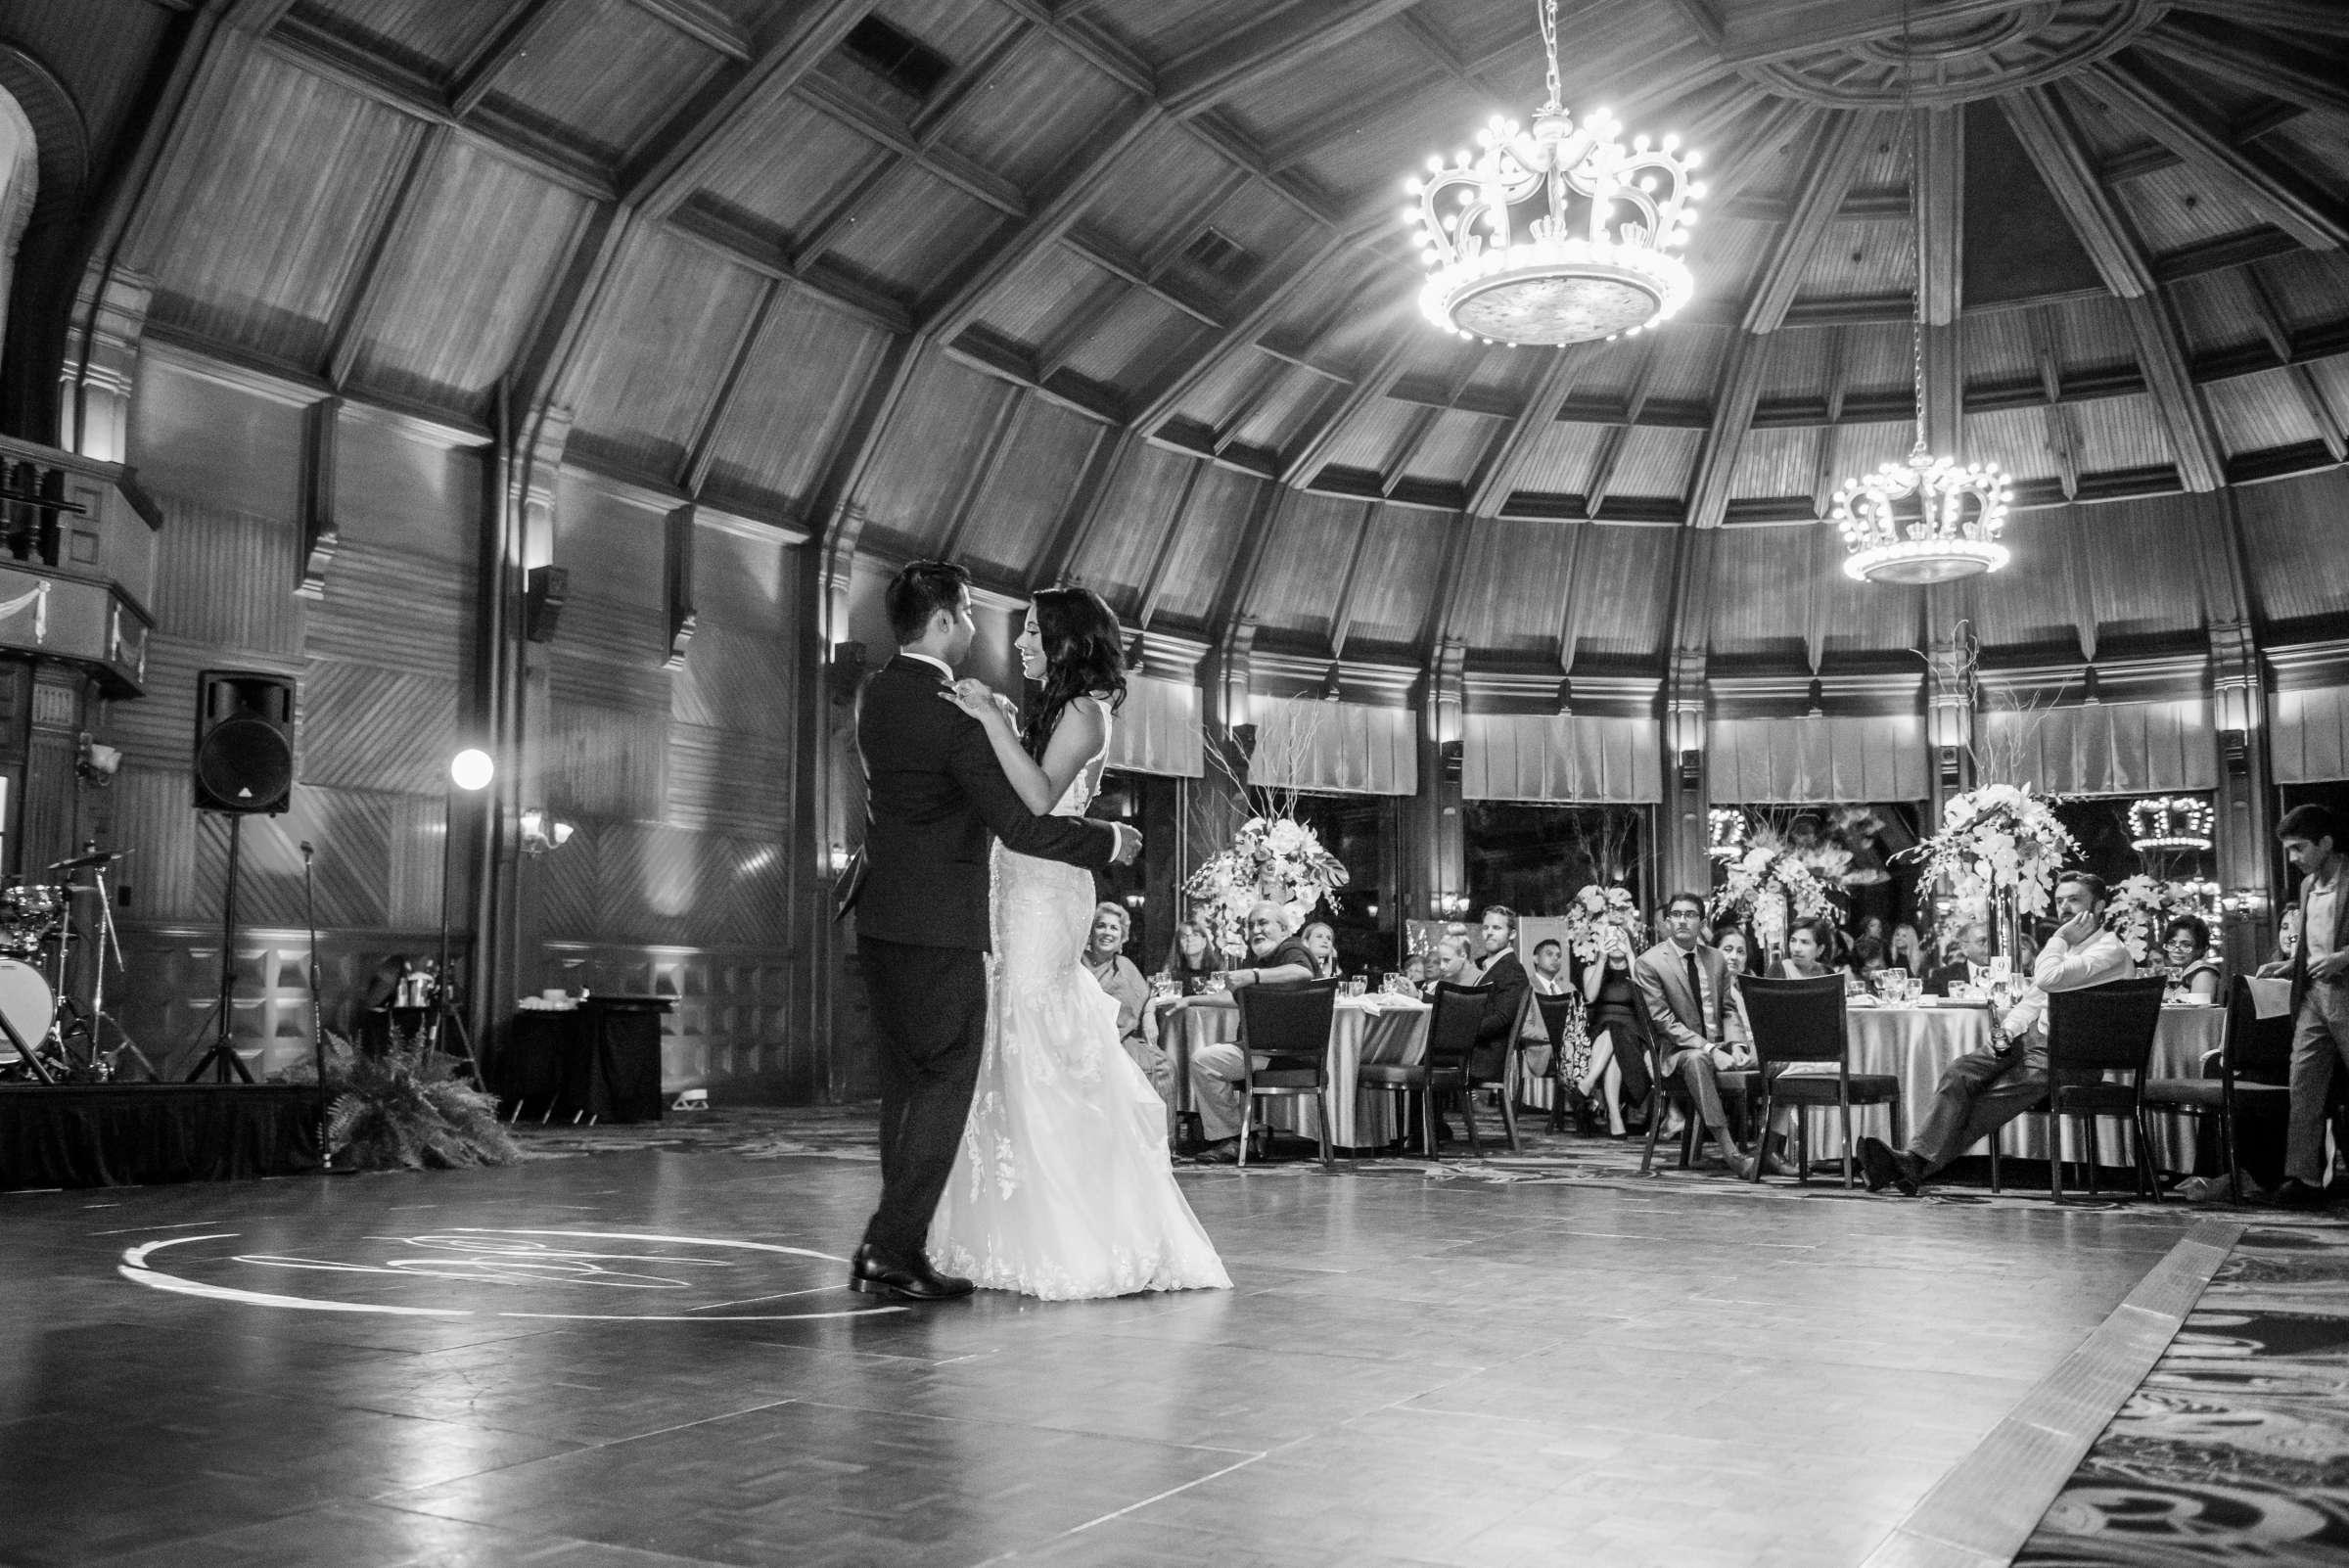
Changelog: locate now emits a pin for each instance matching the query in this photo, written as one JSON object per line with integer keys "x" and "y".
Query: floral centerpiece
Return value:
{"x": 1593, "y": 913}
{"x": 1766, "y": 887}
{"x": 2141, "y": 905}
{"x": 1276, "y": 857}
{"x": 2000, "y": 842}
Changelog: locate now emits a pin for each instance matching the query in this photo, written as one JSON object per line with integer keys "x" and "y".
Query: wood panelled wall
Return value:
{"x": 677, "y": 774}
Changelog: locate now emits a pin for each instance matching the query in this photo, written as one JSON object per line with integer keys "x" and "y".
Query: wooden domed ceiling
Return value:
{"x": 1116, "y": 289}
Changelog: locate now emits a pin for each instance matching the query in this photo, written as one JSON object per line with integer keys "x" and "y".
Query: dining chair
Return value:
{"x": 1486, "y": 1066}
{"x": 1442, "y": 1066}
{"x": 2101, "y": 1030}
{"x": 1671, "y": 1094}
{"x": 2251, "y": 1045}
{"x": 1555, "y": 1012}
{"x": 1802, "y": 1021}
{"x": 1284, "y": 1046}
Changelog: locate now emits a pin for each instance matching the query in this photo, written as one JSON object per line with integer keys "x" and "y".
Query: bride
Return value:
{"x": 1063, "y": 1188}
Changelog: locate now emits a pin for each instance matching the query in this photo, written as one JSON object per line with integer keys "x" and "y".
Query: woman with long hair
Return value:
{"x": 1064, "y": 1188}
{"x": 1191, "y": 958}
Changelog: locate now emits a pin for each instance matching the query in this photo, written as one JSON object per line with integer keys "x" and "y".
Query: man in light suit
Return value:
{"x": 1690, "y": 998}
{"x": 2320, "y": 975}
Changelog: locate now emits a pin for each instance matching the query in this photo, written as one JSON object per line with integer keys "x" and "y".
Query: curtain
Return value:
{"x": 2105, "y": 748}
{"x": 1817, "y": 762}
{"x": 1157, "y": 728}
{"x": 2310, "y": 743}
{"x": 1540, "y": 757}
{"x": 1345, "y": 748}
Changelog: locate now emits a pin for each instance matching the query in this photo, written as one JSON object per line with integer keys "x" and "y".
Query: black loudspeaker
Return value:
{"x": 244, "y": 741}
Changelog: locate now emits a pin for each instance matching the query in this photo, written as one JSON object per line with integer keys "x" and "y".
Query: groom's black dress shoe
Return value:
{"x": 875, "y": 1272}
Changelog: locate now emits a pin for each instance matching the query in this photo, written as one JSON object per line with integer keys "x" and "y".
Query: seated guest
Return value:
{"x": 1321, "y": 939}
{"x": 1969, "y": 967}
{"x": 2287, "y": 946}
{"x": 1447, "y": 964}
{"x": 1908, "y": 949}
{"x": 1503, "y": 975}
{"x": 1866, "y": 962}
{"x": 1547, "y": 977}
{"x": 1105, "y": 959}
{"x": 1736, "y": 948}
{"x": 2185, "y": 959}
{"x": 1809, "y": 942}
{"x": 1618, "y": 1047}
{"x": 1220, "y": 1072}
{"x": 1415, "y": 971}
{"x": 1984, "y": 1091}
{"x": 1192, "y": 959}
{"x": 1534, "y": 1050}
{"x": 1690, "y": 996}
{"x": 2320, "y": 976}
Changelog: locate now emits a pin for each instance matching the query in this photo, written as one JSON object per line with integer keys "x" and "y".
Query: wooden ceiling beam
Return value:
{"x": 1348, "y": 120}
{"x": 2062, "y": 433}
{"x": 912, "y": 145}
{"x": 1398, "y": 461}
{"x": 1283, "y": 279}
{"x": 521, "y": 28}
{"x": 835, "y": 218}
{"x": 1341, "y": 614}
{"x": 1733, "y": 415}
{"x": 1826, "y": 476}
{"x": 677, "y": 157}
{"x": 1067, "y": 25}
{"x": 2268, "y": 317}
{"x": 1452, "y": 579}
{"x": 2322, "y": 17}
{"x": 1618, "y": 438}
{"x": 393, "y": 222}
{"x": 1278, "y": 40}
{"x": 2080, "y": 583}
{"x": 2044, "y": 125}
{"x": 1496, "y": 476}
{"x": 2161, "y": 355}
{"x": 1818, "y": 603}
{"x": 1835, "y": 157}
{"x": 1754, "y": 31}
{"x": 702, "y": 450}
{"x": 2163, "y": 112}
{"x": 1571, "y": 605}
{"x": 1938, "y": 195}
{"x": 1361, "y": 397}
{"x": 832, "y": 507}
{"x": 2250, "y": 59}
{"x": 838, "y": 291}
{"x": 701, "y": 21}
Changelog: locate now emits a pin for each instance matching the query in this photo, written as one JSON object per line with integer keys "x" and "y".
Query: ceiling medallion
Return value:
{"x": 1590, "y": 260}
{"x": 1974, "y": 54}
{"x": 1925, "y": 519}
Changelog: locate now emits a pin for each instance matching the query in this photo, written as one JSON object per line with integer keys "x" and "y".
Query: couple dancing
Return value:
{"x": 1020, "y": 1145}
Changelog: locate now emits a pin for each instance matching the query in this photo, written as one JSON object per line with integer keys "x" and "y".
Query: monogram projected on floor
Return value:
{"x": 565, "y": 1273}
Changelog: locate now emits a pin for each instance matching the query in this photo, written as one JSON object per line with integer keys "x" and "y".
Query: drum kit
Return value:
{"x": 46, "y": 1033}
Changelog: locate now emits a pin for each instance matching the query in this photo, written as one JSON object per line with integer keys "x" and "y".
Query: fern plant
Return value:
{"x": 406, "y": 1109}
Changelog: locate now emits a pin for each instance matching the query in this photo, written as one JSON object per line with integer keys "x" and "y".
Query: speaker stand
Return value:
{"x": 222, "y": 1060}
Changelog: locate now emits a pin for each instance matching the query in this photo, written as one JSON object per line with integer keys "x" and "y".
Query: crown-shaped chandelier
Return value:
{"x": 1924, "y": 519}
{"x": 2169, "y": 822}
{"x": 1590, "y": 259}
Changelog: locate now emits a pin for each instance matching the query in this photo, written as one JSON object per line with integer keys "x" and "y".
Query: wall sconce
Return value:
{"x": 1692, "y": 768}
{"x": 1565, "y": 699}
{"x": 839, "y": 858}
{"x": 96, "y": 764}
{"x": 541, "y": 832}
{"x": 1370, "y": 910}
{"x": 1950, "y": 723}
{"x": 2094, "y": 686}
{"x": 549, "y": 588}
{"x": 1818, "y": 700}
{"x": 1134, "y": 901}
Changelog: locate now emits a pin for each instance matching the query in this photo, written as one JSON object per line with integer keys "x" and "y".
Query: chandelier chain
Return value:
{"x": 1916, "y": 225}
{"x": 1547, "y": 12}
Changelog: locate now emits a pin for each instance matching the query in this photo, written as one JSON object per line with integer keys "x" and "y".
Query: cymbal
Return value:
{"x": 83, "y": 861}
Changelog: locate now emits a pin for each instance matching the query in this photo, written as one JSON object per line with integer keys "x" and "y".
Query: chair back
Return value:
{"x": 1288, "y": 1025}
{"x": 2259, "y": 1049}
{"x": 2107, "y": 1027}
{"x": 1553, "y": 1012}
{"x": 1795, "y": 1020}
{"x": 1452, "y": 1027}
{"x": 1392, "y": 1038}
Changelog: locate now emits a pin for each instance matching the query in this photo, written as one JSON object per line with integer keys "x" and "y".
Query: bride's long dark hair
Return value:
{"x": 1084, "y": 655}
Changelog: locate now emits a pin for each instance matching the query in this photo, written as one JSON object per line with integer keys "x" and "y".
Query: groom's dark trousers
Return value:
{"x": 934, "y": 796}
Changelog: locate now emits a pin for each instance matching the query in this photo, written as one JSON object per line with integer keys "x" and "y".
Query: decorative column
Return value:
{"x": 2245, "y": 828}
{"x": 1683, "y": 837}
{"x": 1949, "y": 727}
{"x": 101, "y": 365}
{"x": 1433, "y": 821}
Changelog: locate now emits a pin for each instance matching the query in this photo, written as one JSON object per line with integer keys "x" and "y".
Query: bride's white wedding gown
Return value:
{"x": 1063, "y": 1188}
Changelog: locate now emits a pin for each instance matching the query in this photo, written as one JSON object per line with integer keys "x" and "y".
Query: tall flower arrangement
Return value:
{"x": 1997, "y": 842}
{"x": 2141, "y": 905}
{"x": 1594, "y": 911}
{"x": 1767, "y": 886}
{"x": 1276, "y": 857}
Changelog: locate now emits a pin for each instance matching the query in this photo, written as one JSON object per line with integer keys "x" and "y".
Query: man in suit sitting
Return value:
{"x": 1505, "y": 977}
{"x": 1984, "y": 1091}
{"x": 1690, "y": 996}
{"x": 1970, "y": 966}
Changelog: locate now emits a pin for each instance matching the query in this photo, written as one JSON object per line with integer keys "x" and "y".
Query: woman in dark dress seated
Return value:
{"x": 1618, "y": 1045}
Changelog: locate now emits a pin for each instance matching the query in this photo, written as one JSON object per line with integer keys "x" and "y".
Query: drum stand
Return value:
{"x": 110, "y": 942}
{"x": 222, "y": 1059}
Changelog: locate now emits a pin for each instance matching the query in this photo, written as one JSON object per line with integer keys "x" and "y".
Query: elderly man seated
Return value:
{"x": 1220, "y": 1072}
{"x": 1117, "y": 975}
{"x": 1981, "y": 1093}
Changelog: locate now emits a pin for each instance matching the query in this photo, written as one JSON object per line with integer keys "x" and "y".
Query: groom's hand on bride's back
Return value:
{"x": 1130, "y": 843}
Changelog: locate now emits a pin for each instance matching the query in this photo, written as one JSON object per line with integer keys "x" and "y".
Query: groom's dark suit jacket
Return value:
{"x": 934, "y": 794}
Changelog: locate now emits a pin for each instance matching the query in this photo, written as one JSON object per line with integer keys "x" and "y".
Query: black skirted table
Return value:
{"x": 600, "y": 1060}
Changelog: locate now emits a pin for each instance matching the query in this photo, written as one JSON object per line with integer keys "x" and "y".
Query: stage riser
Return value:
{"x": 90, "y": 1136}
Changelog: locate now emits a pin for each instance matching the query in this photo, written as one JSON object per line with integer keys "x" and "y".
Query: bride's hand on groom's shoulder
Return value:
{"x": 976, "y": 699}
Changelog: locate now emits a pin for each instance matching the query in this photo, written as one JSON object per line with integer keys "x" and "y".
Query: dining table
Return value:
{"x": 1393, "y": 1028}
{"x": 1915, "y": 1044}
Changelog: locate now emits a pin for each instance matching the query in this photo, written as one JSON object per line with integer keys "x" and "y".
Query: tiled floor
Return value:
{"x": 1410, "y": 1372}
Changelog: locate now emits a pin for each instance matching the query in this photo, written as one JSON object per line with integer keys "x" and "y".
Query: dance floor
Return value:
{"x": 645, "y": 1358}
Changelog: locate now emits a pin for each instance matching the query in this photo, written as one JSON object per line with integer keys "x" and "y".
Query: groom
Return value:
{"x": 933, "y": 796}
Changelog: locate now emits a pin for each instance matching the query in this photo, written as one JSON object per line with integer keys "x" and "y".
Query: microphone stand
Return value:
{"x": 309, "y": 913}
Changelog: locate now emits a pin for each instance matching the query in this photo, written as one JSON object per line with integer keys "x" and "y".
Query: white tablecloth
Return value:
{"x": 1917, "y": 1044}
{"x": 1359, "y": 1118}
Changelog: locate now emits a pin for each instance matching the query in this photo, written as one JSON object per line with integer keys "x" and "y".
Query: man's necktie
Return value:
{"x": 1696, "y": 994}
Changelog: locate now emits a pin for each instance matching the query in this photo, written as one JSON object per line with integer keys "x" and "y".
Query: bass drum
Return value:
{"x": 26, "y": 1002}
